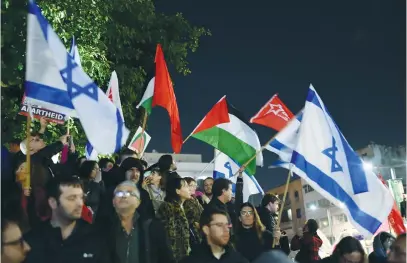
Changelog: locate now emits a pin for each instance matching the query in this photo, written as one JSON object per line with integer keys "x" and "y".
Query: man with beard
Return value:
{"x": 207, "y": 187}
{"x": 66, "y": 237}
{"x": 215, "y": 246}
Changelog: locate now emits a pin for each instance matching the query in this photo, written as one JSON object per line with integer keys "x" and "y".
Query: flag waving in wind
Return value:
{"x": 74, "y": 52}
{"x": 225, "y": 167}
{"x": 324, "y": 158}
{"x": 100, "y": 119}
{"x": 273, "y": 114}
{"x": 159, "y": 92}
{"x": 226, "y": 130}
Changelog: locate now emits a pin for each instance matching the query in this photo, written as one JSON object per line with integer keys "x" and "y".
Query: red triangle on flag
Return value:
{"x": 217, "y": 115}
{"x": 273, "y": 114}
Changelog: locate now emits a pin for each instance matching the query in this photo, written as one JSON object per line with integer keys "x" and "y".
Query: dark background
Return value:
{"x": 353, "y": 52}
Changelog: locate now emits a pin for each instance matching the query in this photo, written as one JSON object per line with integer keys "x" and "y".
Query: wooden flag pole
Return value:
{"x": 27, "y": 182}
{"x": 143, "y": 128}
{"x": 289, "y": 175}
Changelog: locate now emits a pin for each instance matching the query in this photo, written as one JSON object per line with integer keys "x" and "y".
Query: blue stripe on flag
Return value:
{"x": 277, "y": 145}
{"x": 256, "y": 183}
{"x": 89, "y": 149}
{"x": 355, "y": 165}
{"x": 48, "y": 94}
{"x": 35, "y": 10}
{"x": 119, "y": 133}
{"x": 335, "y": 190}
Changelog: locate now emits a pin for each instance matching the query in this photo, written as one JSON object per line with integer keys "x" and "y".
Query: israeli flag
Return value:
{"x": 324, "y": 158}
{"x": 225, "y": 167}
{"x": 100, "y": 119}
{"x": 74, "y": 52}
{"x": 90, "y": 152}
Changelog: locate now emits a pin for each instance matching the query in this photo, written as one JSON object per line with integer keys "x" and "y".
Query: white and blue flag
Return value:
{"x": 323, "y": 157}
{"x": 100, "y": 119}
{"x": 74, "y": 52}
{"x": 225, "y": 167}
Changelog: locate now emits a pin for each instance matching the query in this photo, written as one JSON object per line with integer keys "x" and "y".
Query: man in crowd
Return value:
{"x": 133, "y": 239}
{"x": 268, "y": 212}
{"x": 207, "y": 184}
{"x": 222, "y": 194}
{"x": 215, "y": 246}
{"x": 66, "y": 237}
{"x": 13, "y": 246}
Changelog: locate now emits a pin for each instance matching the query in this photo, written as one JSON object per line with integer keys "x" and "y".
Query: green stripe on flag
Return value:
{"x": 230, "y": 145}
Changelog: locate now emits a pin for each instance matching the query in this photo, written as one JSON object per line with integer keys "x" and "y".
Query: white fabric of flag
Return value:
{"x": 100, "y": 119}
{"x": 323, "y": 157}
{"x": 225, "y": 167}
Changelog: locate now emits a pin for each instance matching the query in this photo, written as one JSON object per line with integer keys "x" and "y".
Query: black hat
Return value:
{"x": 165, "y": 162}
{"x": 131, "y": 162}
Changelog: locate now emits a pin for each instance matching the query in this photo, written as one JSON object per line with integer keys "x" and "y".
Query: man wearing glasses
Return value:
{"x": 13, "y": 247}
{"x": 132, "y": 238}
{"x": 215, "y": 245}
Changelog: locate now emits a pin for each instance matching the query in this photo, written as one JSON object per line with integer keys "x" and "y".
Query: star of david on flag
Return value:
{"x": 100, "y": 119}
{"x": 320, "y": 154}
{"x": 226, "y": 167}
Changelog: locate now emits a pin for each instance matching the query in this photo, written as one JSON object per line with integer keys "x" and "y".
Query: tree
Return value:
{"x": 116, "y": 35}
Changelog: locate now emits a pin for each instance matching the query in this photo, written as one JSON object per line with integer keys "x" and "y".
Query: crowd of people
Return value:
{"x": 129, "y": 211}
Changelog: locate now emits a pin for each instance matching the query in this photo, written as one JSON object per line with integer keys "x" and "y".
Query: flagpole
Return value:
{"x": 289, "y": 175}
{"x": 27, "y": 182}
{"x": 143, "y": 128}
{"x": 262, "y": 147}
{"x": 206, "y": 167}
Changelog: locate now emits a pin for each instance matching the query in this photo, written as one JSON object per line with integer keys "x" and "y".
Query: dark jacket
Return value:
{"x": 152, "y": 239}
{"x": 83, "y": 245}
{"x": 93, "y": 194}
{"x": 203, "y": 254}
{"x": 249, "y": 244}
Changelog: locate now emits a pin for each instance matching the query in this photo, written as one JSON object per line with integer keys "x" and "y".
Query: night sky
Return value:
{"x": 353, "y": 52}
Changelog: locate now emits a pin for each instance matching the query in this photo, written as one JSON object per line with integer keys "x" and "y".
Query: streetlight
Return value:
{"x": 368, "y": 166}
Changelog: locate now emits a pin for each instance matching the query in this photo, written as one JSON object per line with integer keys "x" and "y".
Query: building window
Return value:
{"x": 323, "y": 203}
{"x": 286, "y": 216}
{"x": 307, "y": 188}
{"x": 298, "y": 212}
{"x": 341, "y": 218}
{"x": 296, "y": 196}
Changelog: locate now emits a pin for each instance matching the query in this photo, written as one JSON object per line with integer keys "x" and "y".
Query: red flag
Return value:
{"x": 87, "y": 215}
{"x": 273, "y": 114}
{"x": 395, "y": 219}
{"x": 164, "y": 96}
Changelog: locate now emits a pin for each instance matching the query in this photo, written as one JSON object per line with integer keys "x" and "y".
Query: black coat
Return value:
{"x": 249, "y": 244}
{"x": 83, "y": 245}
{"x": 152, "y": 239}
{"x": 203, "y": 254}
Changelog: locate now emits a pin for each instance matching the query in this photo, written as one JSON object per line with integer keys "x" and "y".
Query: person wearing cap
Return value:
{"x": 133, "y": 170}
{"x": 131, "y": 237}
{"x": 153, "y": 185}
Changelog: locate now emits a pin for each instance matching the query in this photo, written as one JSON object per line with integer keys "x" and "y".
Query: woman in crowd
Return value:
{"x": 252, "y": 238}
{"x": 92, "y": 190}
{"x": 193, "y": 210}
{"x": 348, "y": 250}
{"x": 153, "y": 185}
{"x": 308, "y": 244}
{"x": 172, "y": 215}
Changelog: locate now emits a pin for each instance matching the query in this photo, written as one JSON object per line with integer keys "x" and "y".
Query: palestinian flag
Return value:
{"x": 160, "y": 92}
{"x": 225, "y": 129}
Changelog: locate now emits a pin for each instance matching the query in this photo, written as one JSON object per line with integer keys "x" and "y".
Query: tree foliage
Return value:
{"x": 116, "y": 35}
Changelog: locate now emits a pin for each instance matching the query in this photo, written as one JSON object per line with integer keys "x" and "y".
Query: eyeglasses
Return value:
{"x": 222, "y": 225}
{"x": 96, "y": 169}
{"x": 126, "y": 194}
{"x": 19, "y": 241}
{"x": 246, "y": 213}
